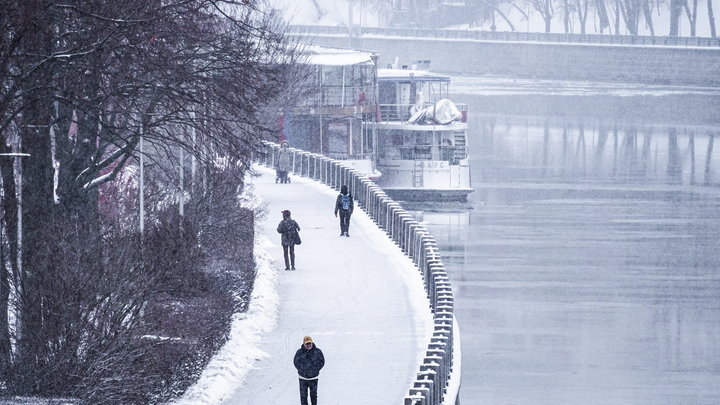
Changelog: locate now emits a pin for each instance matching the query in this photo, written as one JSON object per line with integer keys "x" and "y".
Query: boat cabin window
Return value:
{"x": 342, "y": 85}
{"x": 406, "y": 92}
{"x": 449, "y": 146}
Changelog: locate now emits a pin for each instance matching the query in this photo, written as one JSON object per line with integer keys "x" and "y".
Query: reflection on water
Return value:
{"x": 559, "y": 149}
{"x": 586, "y": 267}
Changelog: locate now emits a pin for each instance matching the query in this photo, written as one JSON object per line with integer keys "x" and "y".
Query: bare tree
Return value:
{"x": 602, "y": 14}
{"x": 582, "y": 10}
{"x": 83, "y": 82}
{"x": 567, "y": 11}
{"x": 483, "y": 10}
{"x": 545, "y": 8}
{"x": 630, "y": 11}
{"x": 675, "y": 13}
{"x": 647, "y": 6}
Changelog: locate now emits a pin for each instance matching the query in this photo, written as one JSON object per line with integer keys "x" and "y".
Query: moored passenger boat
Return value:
{"x": 422, "y": 145}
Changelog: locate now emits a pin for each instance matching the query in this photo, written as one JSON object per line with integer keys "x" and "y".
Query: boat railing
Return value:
{"x": 447, "y": 153}
{"x": 403, "y": 112}
{"x": 342, "y": 96}
{"x": 354, "y": 156}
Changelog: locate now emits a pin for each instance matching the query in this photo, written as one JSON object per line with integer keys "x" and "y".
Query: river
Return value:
{"x": 586, "y": 264}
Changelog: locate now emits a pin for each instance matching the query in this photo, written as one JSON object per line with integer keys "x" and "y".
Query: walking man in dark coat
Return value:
{"x": 344, "y": 204}
{"x": 308, "y": 362}
{"x": 289, "y": 229}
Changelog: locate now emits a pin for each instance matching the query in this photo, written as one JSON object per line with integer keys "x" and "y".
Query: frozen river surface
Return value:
{"x": 587, "y": 300}
{"x": 586, "y": 267}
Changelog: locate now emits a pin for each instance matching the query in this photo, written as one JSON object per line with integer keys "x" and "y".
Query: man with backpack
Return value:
{"x": 344, "y": 204}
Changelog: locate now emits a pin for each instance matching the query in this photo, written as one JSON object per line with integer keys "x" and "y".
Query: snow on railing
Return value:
{"x": 438, "y": 377}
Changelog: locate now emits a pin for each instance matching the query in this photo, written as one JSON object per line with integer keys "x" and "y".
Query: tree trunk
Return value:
{"x": 582, "y": 14}
{"x": 10, "y": 206}
{"x": 675, "y": 12}
{"x": 647, "y": 14}
{"x": 711, "y": 18}
{"x": 693, "y": 18}
{"x": 36, "y": 189}
{"x": 37, "y": 200}
{"x": 602, "y": 14}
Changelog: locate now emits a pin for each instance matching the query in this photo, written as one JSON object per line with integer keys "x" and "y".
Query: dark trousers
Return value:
{"x": 344, "y": 221}
{"x": 290, "y": 248}
{"x": 305, "y": 386}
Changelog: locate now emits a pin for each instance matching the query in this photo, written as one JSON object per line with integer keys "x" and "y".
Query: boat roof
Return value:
{"x": 399, "y": 75}
{"x": 318, "y": 55}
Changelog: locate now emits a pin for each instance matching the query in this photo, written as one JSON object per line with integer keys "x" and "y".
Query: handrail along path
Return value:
{"x": 438, "y": 377}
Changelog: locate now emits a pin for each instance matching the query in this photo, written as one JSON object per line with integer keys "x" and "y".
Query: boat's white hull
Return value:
{"x": 426, "y": 180}
{"x": 428, "y": 195}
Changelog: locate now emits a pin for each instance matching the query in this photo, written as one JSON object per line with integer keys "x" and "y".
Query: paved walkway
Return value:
{"x": 360, "y": 299}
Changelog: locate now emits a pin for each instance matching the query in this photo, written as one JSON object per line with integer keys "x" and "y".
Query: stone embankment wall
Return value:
{"x": 438, "y": 377}
{"x": 649, "y": 60}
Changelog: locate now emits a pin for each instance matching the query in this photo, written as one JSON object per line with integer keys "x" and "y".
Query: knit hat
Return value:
{"x": 307, "y": 339}
{"x": 286, "y": 213}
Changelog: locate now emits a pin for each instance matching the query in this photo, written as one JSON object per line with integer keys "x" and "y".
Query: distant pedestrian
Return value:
{"x": 344, "y": 204}
{"x": 284, "y": 163}
{"x": 289, "y": 229}
{"x": 308, "y": 362}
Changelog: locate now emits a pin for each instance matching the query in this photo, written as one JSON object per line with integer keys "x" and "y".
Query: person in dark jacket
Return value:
{"x": 288, "y": 228}
{"x": 344, "y": 205}
{"x": 308, "y": 362}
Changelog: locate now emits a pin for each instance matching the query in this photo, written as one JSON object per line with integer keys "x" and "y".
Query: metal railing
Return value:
{"x": 702, "y": 42}
{"x": 434, "y": 375}
{"x": 401, "y": 112}
{"x": 332, "y": 95}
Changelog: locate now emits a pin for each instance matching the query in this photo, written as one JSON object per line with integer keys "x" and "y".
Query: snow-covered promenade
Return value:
{"x": 360, "y": 298}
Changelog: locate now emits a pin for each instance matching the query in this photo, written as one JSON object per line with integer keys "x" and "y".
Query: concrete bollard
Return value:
{"x": 434, "y": 369}
{"x": 412, "y": 235}
{"x": 409, "y": 225}
{"x": 380, "y": 198}
{"x": 383, "y": 212}
{"x": 403, "y": 220}
{"x": 415, "y": 399}
{"x": 394, "y": 217}
{"x": 438, "y": 357}
{"x": 424, "y": 387}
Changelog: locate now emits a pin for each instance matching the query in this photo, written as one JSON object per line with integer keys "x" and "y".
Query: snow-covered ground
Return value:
{"x": 360, "y": 298}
